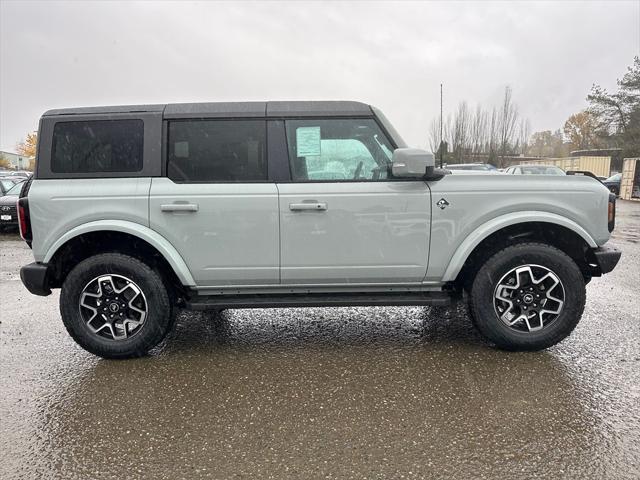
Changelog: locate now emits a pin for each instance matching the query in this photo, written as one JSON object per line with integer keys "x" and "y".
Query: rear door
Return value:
{"x": 342, "y": 220}
{"x": 216, "y": 205}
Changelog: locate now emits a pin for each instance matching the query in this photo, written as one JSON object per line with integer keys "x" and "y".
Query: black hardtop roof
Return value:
{"x": 230, "y": 109}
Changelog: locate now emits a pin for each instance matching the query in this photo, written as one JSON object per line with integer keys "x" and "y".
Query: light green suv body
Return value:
{"x": 218, "y": 202}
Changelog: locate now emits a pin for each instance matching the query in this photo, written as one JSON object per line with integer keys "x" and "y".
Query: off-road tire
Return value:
{"x": 481, "y": 301}
{"x": 160, "y": 309}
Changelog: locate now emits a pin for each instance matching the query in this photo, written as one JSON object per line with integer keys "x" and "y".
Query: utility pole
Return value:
{"x": 441, "y": 139}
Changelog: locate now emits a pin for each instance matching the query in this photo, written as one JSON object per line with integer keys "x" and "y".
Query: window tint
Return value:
{"x": 217, "y": 151}
{"x": 97, "y": 146}
{"x": 338, "y": 149}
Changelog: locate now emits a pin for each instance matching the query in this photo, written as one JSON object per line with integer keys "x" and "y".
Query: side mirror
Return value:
{"x": 412, "y": 163}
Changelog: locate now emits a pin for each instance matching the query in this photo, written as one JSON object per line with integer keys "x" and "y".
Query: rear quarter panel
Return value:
{"x": 57, "y": 206}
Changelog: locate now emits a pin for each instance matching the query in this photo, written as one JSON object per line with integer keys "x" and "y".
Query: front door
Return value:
{"x": 216, "y": 206}
{"x": 342, "y": 220}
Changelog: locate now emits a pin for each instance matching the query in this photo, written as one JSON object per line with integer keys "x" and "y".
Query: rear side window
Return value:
{"x": 207, "y": 151}
{"x": 97, "y": 146}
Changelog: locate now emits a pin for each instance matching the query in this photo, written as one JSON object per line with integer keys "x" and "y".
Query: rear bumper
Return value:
{"x": 607, "y": 257}
{"x": 35, "y": 277}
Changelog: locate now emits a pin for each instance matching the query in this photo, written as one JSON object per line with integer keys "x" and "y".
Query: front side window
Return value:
{"x": 338, "y": 150}
{"x": 207, "y": 151}
{"x": 97, "y": 146}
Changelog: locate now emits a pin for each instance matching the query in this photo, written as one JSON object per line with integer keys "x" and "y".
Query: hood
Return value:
{"x": 8, "y": 200}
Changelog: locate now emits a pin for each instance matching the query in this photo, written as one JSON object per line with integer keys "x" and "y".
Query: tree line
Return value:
{"x": 610, "y": 120}
{"x": 480, "y": 133}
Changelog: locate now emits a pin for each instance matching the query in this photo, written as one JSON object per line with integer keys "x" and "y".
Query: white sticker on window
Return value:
{"x": 181, "y": 149}
{"x": 308, "y": 141}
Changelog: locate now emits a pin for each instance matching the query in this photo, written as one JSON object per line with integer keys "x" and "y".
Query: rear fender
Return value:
{"x": 166, "y": 249}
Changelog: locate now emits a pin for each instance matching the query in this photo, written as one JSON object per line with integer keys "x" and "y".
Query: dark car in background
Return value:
{"x": 8, "y": 209}
{"x": 613, "y": 183}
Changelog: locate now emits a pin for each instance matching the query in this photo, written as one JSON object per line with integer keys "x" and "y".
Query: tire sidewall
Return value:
{"x": 158, "y": 317}
{"x": 482, "y": 296}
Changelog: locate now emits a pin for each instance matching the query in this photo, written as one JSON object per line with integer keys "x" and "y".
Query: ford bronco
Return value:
{"x": 135, "y": 211}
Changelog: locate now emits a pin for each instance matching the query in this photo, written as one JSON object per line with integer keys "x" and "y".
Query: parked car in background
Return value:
{"x": 485, "y": 167}
{"x": 21, "y": 173}
{"x": 7, "y": 183}
{"x": 8, "y": 210}
{"x": 613, "y": 183}
{"x": 534, "y": 170}
{"x": 474, "y": 172}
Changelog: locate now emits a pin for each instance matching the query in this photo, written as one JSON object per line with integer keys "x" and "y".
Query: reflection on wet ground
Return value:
{"x": 305, "y": 393}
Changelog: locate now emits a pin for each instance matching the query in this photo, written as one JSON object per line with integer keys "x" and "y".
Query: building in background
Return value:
{"x": 14, "y": 161}
{"x": 630, "y": 182}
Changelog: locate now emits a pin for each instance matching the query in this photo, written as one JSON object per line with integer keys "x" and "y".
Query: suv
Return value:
{"x": 134, "y": 211}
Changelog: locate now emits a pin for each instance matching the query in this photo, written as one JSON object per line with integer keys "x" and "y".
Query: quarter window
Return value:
{"x": 337, "y": 149}
{"x": 217, "y": 151}
{"x": 97, "y": 146}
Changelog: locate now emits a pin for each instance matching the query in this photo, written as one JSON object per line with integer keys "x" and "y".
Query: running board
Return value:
{"x": 216, "y": 302}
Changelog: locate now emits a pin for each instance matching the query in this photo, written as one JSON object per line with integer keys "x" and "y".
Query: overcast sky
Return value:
{"x": 392, "y": 55}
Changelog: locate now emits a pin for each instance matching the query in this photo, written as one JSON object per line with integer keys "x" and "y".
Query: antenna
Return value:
{"x": 441, "y": 139}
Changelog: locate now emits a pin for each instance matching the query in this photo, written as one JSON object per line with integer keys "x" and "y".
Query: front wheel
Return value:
{"x": 115, "y": 306}
{"x": 528, "y": 296}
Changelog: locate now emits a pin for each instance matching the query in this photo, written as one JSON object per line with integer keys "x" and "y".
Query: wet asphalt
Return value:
{"x": 324, "y": 393}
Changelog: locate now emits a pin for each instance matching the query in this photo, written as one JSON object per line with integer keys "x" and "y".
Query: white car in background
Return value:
{"x": 472, "y": 167}
{"x": 534, "y": 170}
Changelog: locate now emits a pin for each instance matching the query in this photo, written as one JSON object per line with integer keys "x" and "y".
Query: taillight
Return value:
{"x": 612, "y": 212}
{"x": 24, "y": 217}
{"x": 24, "y": 221}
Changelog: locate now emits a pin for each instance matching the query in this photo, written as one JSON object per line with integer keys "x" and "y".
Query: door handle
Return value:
{"x": 319, "y": 206}
{"x": 179, "y": 207}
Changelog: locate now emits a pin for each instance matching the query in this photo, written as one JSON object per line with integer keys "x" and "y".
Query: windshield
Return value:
{"x": 614, "y": 178}
{"x": 7, "y": 184}
{"x": 15, "y": 190}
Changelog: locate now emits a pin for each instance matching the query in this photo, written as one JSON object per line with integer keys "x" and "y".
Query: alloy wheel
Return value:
{"x": 113, "y": 307}
{"x": 528, "y": 298}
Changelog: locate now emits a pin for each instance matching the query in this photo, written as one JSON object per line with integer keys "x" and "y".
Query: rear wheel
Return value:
{"x": 527, "y": 297}
{"x": 115, "y": 306}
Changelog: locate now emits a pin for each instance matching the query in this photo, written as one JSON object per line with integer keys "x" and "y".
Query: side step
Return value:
{"x": 213, "y": 302}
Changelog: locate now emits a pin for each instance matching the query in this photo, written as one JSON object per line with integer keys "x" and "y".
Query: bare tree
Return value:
{"x": 492, "y": 143}
{"x": 460, "y": 132}
{"x": 434, "y": 135}
{"x": 524, "y": 132}
{"x": 478, "y": 134}
{"x": 507, "y": 120}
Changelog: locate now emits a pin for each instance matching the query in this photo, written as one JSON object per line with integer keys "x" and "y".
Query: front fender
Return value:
{"x": 483, "y": 231}
{"x": 165, "y": 248}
